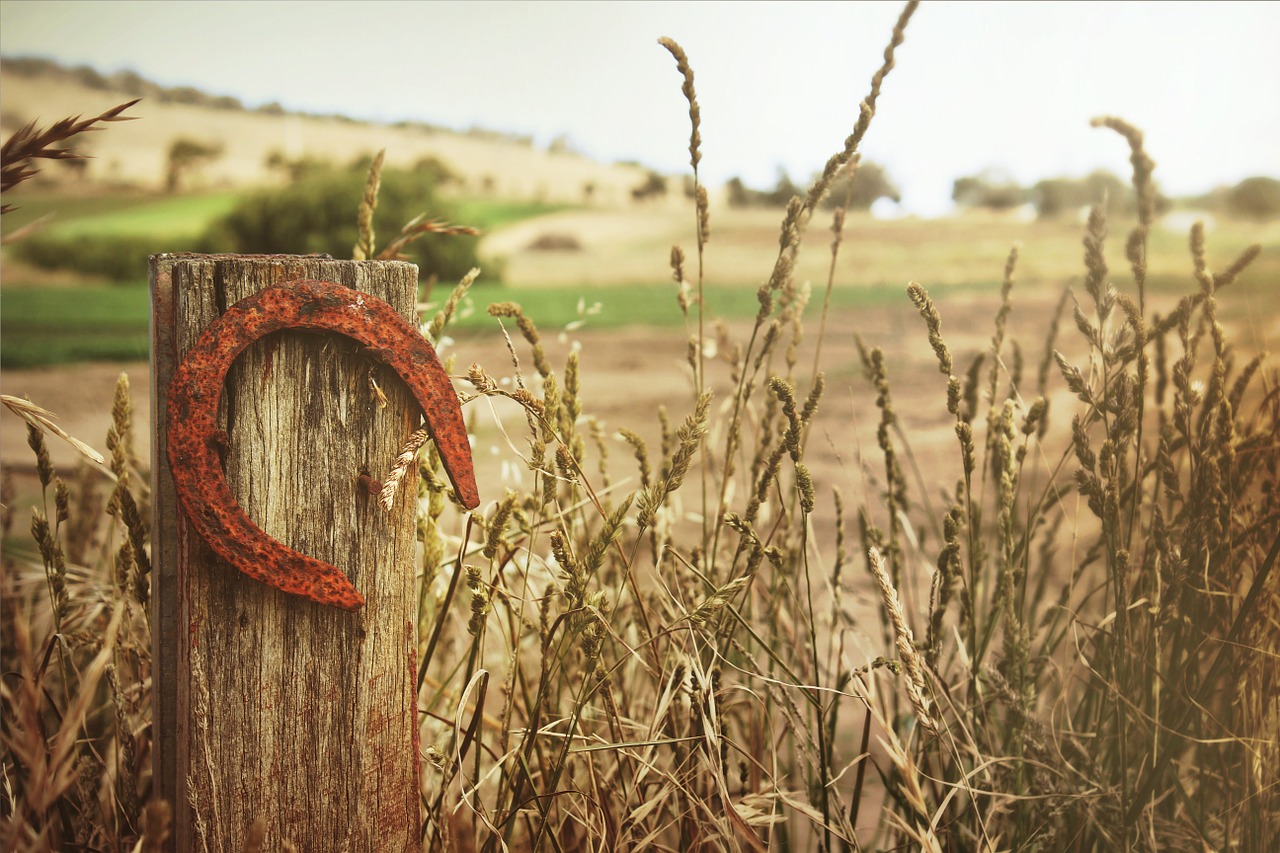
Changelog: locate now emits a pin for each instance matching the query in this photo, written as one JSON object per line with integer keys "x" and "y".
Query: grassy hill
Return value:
{"x": 135, "y": 154}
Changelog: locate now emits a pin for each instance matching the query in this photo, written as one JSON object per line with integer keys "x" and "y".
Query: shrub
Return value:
{"x": 316, "y": 215}
{"x": 988, "y": 189}
{"x": 1254, "y": 198}
{"x": 114, "y": 257}
{"x": 857, "y": 188}
{"x": 185, "y": 156}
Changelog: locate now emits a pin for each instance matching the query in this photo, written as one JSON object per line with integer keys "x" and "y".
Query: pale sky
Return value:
{"x": 1010, "y": 85}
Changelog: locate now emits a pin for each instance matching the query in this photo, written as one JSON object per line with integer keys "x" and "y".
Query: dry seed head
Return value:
{"x": 970, "y": 394}
{"x": 445, "y": 314}
{"x": 907, "y": 652}
{"x": 62, "y": 500}
{"x": 804, "y": 482}
{"x": 401, "y": 466}
{"x": 479, "y": 600}
{"x": 1199, "y": 260}
{"x": 786, "y": 395}
{"x": 498, "y": 525}
{"x": 530, "y": 402}
{"x": 964, "y": 432}
{"x": 687, "y": 440}
{"x": 1143, "y": 166}
{"x": 1034, "y": 414}
{"x": 933, "y": 322}
{"x": 609, "y": 533}
{"x": 1222, "y": 279}
{"x": 866, "y": 110}
{"x": 1094, "y": 259}
{"x": 765, "y": 298}
{"x": 566, "y": 463}
{"x": 1075, "y": 379}
{"x": 953, "y": 395}
{"x": 704, "y": 214}
{"x": 572, "y": 390}
{"x": 815, "y": 396}
{"x": 695, "y": 112}
{"x": 44, "y": 467}
{"x": 641, "y": 451}
{"x": 122, "y": 418}
{"x": 364, "y": 248}
{"x": 716, "y": 601}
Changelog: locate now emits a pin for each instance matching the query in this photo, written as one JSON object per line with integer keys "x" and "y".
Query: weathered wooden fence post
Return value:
{"x": 269, "y": 705}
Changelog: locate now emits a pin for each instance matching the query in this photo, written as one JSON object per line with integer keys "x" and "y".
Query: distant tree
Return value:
{"x": 869, "y": 183}
{"x": 740, "y": 195}
{"x": 1254, "y": 198}
{"x": 186, "y": 155}
{"x": 436, "y": 170}
{"x": 988, "y": 189}
{"x": 88, "y": 77}
{"x": 1057, "y": 196}
{"x": 184, "y": 95}
{"x": 298, "y": 168}
{"x": 784, "y": 189}
{"x": 131, "y": 83}
{"x": 78, "y": 167}
{"x": 562, "y": 144}
{"x": 654, "y": 185}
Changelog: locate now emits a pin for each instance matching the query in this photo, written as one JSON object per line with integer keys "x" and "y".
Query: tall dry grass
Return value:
{"x": 654, "y": 648}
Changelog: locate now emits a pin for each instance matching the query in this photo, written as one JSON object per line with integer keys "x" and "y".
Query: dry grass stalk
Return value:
{"x": 43, "y": 420}
{"x": 419, "y": 227}
{"x": 364, "y": 248}
{"x": 910, "y": 657}
{"x": 32, "y": 143}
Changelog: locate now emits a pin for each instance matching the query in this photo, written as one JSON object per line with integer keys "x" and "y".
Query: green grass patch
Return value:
{"x": 654, "y": 304}
{"x": 62, "y": 325}
{"x": 124, "y": 215}
{"x": 41, "y": 326}
{"x": 490, "y": 213}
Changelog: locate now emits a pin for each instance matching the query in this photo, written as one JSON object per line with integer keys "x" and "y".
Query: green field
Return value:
{"x": 123, "y": 215}
{"x": 45, "y": 326}
{"x": 42, "y": 325}
{"x": 189, "y": 215}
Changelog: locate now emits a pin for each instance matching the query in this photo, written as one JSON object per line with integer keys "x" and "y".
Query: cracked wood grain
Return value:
{"x": 311, "y": 718}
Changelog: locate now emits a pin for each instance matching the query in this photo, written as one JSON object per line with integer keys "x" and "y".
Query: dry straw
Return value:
{"x": 1106, "y": 680}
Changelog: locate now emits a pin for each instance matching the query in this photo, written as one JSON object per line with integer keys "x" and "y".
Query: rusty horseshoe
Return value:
{"x": 193, "y": 443}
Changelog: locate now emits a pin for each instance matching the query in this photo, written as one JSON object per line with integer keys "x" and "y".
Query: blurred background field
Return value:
{"x": 580, "y": 244}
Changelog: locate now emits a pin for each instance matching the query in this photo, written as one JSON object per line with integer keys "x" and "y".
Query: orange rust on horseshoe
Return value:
{"x": 196, "y": 389}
